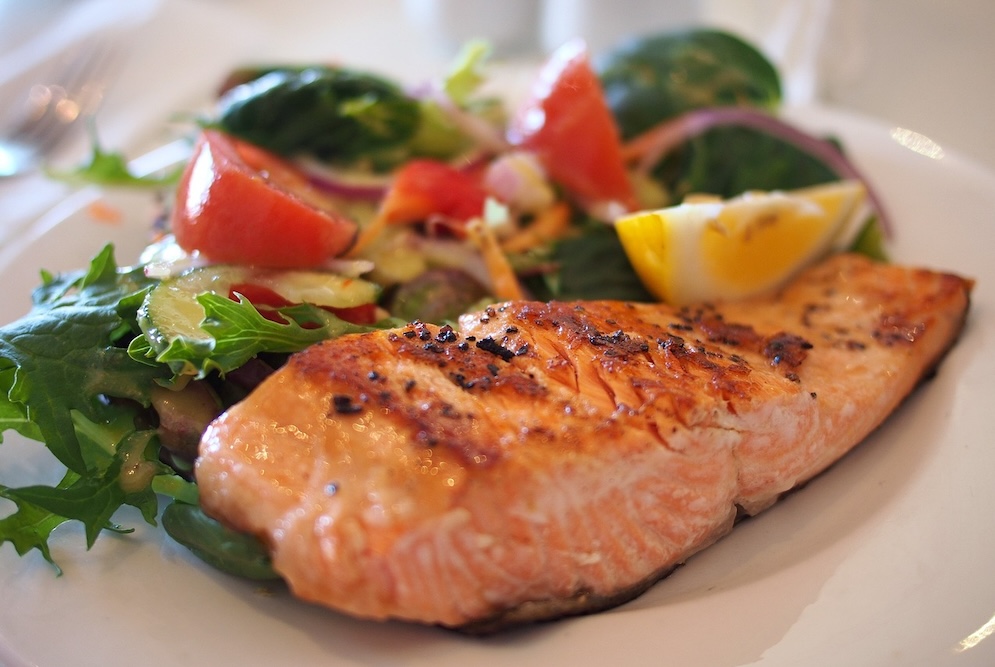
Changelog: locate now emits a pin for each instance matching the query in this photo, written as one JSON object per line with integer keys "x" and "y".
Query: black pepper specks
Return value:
{"x": 446, "y": 335}
{"x": 461, "y": 381}
{"x": 619, "y": 343}
{"x": 344, "y": 405}
{"x": 786, "y": 349}
{"x": 490, "y": 345}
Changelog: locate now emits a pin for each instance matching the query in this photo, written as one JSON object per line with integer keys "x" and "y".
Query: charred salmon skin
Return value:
{"x": 550, "y": 459}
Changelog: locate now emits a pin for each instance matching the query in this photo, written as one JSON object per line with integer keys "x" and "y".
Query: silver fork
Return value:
{"x": 55, "y": 106}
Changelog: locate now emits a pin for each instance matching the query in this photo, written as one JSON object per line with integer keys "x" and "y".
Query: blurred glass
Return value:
{"x": 510, "y": 26}
{"x": 523, "y": 28}
{"x": 921, "y": 66}
{"x": 603, "y": 23}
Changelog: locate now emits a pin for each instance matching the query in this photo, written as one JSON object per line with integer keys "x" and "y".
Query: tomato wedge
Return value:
{"x": 423, "y": 189}
{"x": 239, "y": 204}
{"x": 566, "y": 122}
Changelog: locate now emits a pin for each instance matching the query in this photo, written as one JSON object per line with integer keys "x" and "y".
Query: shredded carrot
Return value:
{"x": 367, "y": 236}
{"x": 504, "y": 282}
{"x": 550, "y": 224}
{"x": 103, "y": 212}
{"x": 650, "y": 141}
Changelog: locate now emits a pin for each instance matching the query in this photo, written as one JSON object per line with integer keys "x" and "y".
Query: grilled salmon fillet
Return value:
{"x": 550, "y": 459}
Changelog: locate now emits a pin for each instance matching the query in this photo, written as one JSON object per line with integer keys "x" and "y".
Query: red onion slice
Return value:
{"x": 651, "y": 146}
{"x": 362, "y": 187}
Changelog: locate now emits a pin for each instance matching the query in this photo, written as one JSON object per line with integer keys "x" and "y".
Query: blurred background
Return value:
{"x": 919, "y": 66}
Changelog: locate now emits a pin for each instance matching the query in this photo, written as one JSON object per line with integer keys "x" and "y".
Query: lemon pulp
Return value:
{"x": 711, "y": 249}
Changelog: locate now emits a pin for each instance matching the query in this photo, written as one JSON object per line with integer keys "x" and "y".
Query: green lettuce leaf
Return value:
{"x": 66, "y": 380}
{"x": 76, "y": 373}
{"x": 467, "y": 75}
{"x": 109, "y": 168}
{"x": 68, "y": 354}
{"x": 29, "y": 527}
{"x": 238, "y": 332}
{"x": 93, "y": 498}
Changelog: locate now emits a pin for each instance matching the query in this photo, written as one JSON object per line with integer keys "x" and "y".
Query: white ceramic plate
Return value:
{"x": 884, "y": 560}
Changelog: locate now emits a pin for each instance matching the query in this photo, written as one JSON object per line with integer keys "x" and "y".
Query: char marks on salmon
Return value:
{"x": 549, "y": 459}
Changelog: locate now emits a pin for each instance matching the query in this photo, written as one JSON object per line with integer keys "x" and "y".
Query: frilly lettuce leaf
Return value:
{"x": 68, "y": 381}
{"x": 76, "y": 374}
{"x": 237, "y": 332}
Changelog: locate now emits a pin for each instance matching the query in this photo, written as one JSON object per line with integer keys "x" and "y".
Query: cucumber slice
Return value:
{"x": 171, "y": 310}
{"x": 328, "y": 290}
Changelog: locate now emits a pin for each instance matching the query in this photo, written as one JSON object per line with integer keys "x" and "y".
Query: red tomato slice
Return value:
{"x": 364, "y": 314}
{"x": 239, "y": 204}
{"x": 424, "y": 189}
{"x": 566, "y": 122}
{"x": 267, "y": 301}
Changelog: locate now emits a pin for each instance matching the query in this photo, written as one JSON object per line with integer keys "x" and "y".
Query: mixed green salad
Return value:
{"x": 321, "y": 200}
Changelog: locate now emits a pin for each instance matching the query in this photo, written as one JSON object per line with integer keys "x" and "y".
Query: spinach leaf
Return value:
{"x": 334, "y": 114}
{"x": 227, "y": 550}
{"x": 650, "y": 79}
{"x": 591, "y": 265}
{"x": 730, "y": 160}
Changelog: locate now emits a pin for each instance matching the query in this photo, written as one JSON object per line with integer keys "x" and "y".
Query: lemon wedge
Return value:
{"x": 710, "y": 249}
